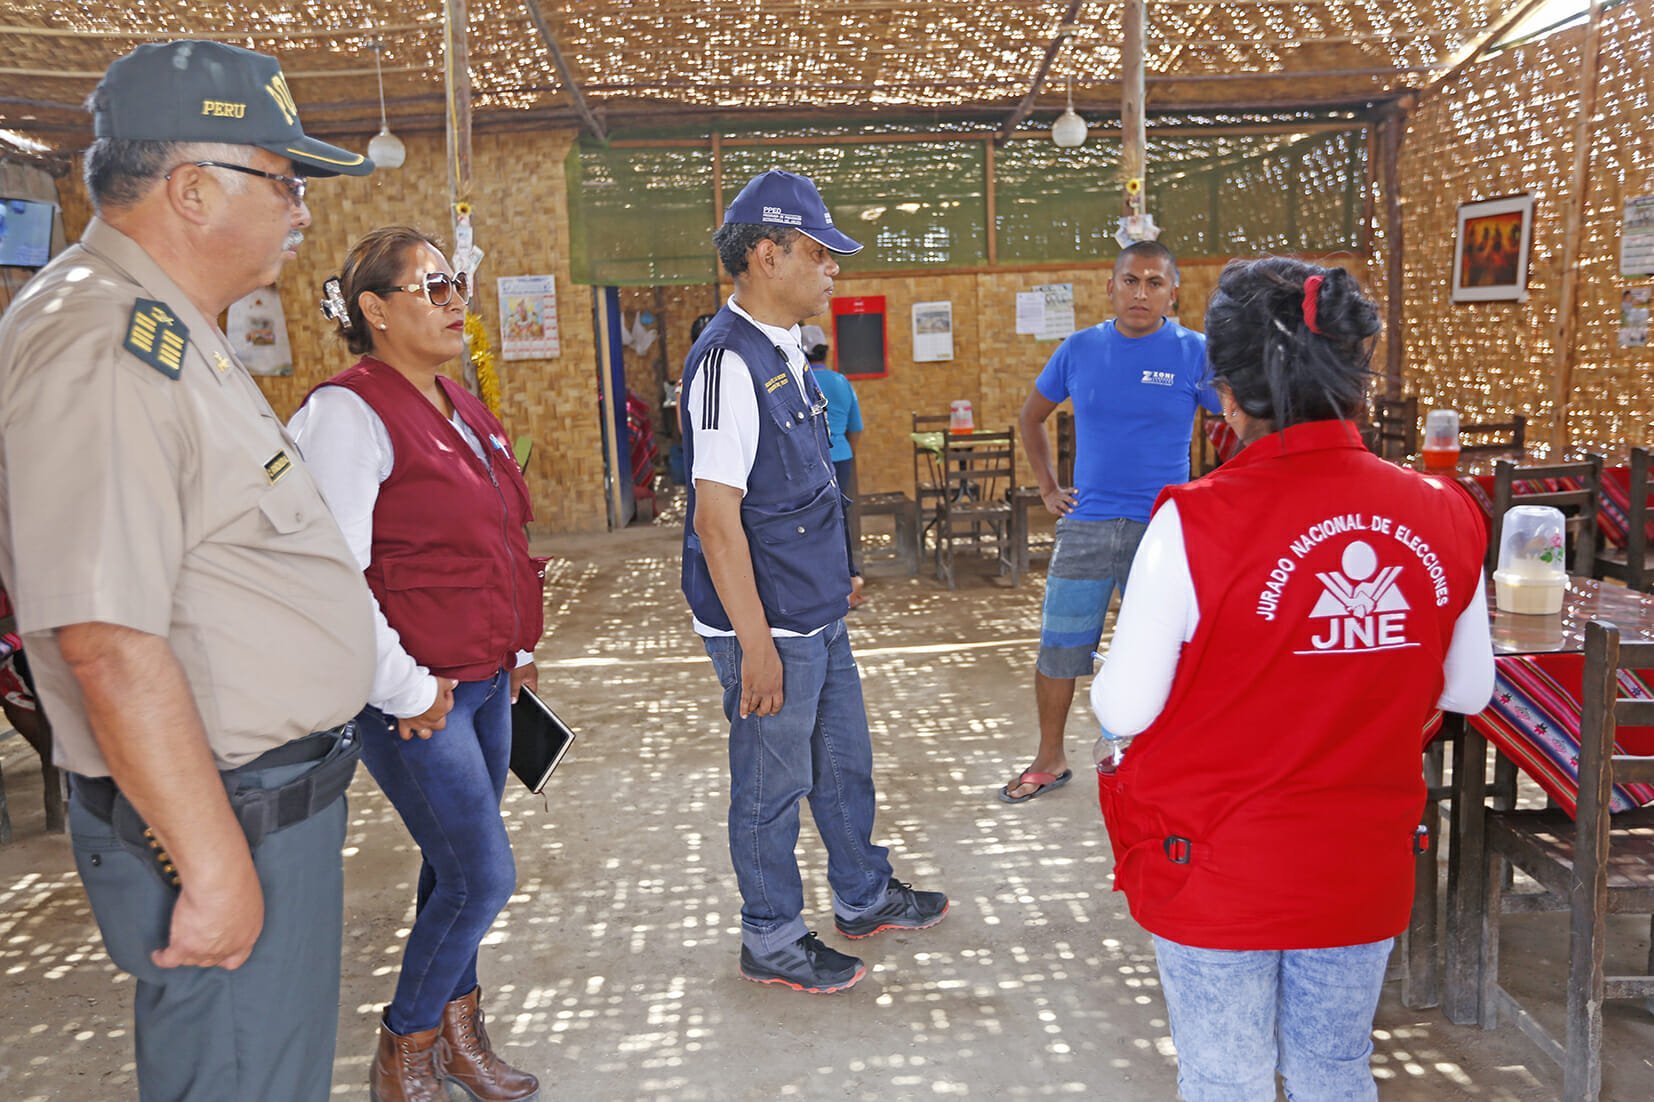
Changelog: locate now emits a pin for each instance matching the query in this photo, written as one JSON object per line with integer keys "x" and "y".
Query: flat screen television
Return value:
{"x": 25, "y": 233}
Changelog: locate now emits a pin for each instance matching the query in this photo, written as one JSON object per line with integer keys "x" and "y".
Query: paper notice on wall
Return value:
{"x": 257, "y": 329}
{"x": 1030, "y": 312}
{"x": 932, "y": 331}
{"x": 1057, "y": 304}
{"x": 1634, "y": 304}
{"x": 1637, "y": 238}
{"x": 528, "y": 318}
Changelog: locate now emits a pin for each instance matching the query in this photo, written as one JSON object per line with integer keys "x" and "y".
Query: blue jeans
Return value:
{"x": 1238, "y": 1016}
{"x": 447, "y": 789}
{"x": 817, "y": 748}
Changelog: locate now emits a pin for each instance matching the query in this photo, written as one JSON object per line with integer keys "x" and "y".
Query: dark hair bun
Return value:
{"x": 1259, "y": 342}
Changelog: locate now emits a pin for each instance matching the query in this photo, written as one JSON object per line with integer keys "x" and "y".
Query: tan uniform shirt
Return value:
{"x": 175, "y": 506}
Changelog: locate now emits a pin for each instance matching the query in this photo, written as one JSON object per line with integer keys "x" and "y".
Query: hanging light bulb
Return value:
{"x": 385, "y": 149}
{"x": 1069, "y": 129}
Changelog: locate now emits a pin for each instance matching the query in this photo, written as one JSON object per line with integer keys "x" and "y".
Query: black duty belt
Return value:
{"x": 260, "y": 811}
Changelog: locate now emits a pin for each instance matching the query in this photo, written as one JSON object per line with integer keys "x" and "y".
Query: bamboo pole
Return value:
{"x": 1133, "y": 139}
{"x": 457, "y": 67}
{"x": 1395, "y": 342}
{"x": 1567, "y": 330}
{"x": 717, "y": 211}
{"x": 989, "y": 188}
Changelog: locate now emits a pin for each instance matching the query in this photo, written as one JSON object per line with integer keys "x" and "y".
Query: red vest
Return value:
{"x": 450, "y": 566}
{"x": 1272, "y": 804}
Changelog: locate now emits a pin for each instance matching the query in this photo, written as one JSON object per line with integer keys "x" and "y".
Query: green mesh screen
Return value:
{"x": 1215, "y": 195}
{"x": 645, "y": 217}
{"x": 641, "y": 217}
{"x": 911, "y": 204}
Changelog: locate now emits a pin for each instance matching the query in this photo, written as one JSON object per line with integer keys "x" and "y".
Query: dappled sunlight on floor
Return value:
{"x": 612, "y": 971}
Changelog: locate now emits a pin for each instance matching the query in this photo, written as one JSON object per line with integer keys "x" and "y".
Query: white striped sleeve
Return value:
{"x": 722, "y": 414}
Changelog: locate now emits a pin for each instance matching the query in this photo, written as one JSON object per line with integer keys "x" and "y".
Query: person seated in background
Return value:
{"x": 1293, "y": 618}
{"x": 843, "y": 431}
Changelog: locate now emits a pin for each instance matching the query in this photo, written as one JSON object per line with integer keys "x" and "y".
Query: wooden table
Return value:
{"x": 1563, "y": 633}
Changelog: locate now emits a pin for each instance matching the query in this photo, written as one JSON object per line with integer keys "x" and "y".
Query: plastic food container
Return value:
{"x": 1531, "y": 578}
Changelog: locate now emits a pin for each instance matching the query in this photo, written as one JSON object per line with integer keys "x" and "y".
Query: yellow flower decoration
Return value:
{"x": 462, "y": 209}
{"x": 1134, "y": 186}
{"x": 482, "y": 358}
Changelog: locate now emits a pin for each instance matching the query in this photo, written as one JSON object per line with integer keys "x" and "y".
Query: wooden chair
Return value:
{"x": 904, "y": 542}
{"x": 1394, "y": 431}
{"x": 927, "y": 479}
{"x": 1631, "y": 564}
{"x": 1494, "y": 437}
{"x": 1576, "y": 490}
{"x": 1026, "y": 499}
{"x": 977, "y": 471}
{"x": 1591, "y": 867}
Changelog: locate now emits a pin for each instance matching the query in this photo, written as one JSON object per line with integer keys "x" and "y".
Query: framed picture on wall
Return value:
{"x": 1490, "y": 254}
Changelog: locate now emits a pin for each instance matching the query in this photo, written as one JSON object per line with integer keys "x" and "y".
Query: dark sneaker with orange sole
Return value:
{"x": 805, "y": 965}
{"x": 902, "y": 909}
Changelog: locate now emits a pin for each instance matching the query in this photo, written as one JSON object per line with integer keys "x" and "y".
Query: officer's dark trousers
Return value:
{"x": 264, "y": 1032}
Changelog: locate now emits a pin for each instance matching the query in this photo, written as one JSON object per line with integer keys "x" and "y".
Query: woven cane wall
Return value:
{"x": 521, "y": 223}
{"x": 1492, "y": 359}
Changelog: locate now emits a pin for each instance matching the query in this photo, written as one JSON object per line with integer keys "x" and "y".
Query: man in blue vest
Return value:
{"x": 767, "y": 575}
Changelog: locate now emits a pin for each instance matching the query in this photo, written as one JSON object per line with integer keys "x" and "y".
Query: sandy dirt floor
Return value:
{"x": 612, "y": 973}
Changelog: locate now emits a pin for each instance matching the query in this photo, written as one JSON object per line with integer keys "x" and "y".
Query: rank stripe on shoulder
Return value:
{"x": 156, "y": 336}
{"x": 711, "y": 384}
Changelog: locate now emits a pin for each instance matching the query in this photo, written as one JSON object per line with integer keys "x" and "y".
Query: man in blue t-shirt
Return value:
{"x": 843, "y": 429}
{"x": 1134, "y": 382}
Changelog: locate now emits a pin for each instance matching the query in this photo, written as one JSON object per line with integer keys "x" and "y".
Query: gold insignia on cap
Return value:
{"x": 156, "y": 337}
{"x": 223, "y": 109}
{"x": 277, "y": 87}
{"x": 775, "y": 383}
{"x": 276, "y": 466}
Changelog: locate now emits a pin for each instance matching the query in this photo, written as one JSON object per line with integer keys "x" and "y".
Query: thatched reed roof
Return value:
{"x": 608, "y": 65}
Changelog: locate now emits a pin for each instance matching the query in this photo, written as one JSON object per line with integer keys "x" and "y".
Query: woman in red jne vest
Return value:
{"x": 422, "y": 482}
{"x": 1293, "y": 618}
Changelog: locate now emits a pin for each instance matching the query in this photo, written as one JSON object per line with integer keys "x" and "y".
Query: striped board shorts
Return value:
{"x": 1091, "y": 561}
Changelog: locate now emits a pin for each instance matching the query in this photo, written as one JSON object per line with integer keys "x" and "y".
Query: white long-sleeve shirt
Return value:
{"x": 1159, "y": 613}
{"x": 348, "y": 450}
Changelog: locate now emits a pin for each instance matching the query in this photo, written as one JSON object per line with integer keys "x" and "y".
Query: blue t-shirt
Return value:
{"x": 843, "y": 411}
{"x": 1134, "y": 411}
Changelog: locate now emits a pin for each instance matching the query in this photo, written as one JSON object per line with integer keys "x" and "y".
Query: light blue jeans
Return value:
{"x": 817, "y": 748}
{"x": 1239, "y": 1016}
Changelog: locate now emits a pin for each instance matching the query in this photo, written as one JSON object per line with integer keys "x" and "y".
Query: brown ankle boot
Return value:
{"x": 407, "y": 1068}
{"x": 469, "y": 1061}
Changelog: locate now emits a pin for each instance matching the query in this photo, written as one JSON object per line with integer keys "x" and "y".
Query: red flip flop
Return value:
{"x": 1045, "y": 781}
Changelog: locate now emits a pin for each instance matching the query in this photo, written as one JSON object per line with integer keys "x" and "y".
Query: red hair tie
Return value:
{"x": 1312, "y": 291}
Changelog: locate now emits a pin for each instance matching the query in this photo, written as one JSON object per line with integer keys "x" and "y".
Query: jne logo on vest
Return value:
{"x": 1360, "y": 608}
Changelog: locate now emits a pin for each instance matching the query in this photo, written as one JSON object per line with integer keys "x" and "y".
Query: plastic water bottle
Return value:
{"x": 1110, "y": 750}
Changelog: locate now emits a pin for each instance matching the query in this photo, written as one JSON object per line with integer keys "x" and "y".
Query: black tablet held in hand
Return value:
{"x": 538, "y": 740}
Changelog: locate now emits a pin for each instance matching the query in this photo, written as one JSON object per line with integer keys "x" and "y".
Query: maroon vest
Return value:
{"x": 1272, "y": 804}
{"x": 450, "y": 566}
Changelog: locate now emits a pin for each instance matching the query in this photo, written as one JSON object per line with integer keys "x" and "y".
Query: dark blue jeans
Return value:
{"x": 447, "y": 789}
{"x": 817, "y": 748}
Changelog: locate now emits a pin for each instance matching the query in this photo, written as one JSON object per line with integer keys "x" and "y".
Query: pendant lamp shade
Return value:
{"x": 385, "y": 149}
{"x": 1069, "y": 129}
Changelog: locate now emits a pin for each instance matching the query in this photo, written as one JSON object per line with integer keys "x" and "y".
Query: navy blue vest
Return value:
{"x": 793, "y": 512}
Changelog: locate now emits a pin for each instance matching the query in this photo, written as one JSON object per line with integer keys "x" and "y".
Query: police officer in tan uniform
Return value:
{"x": 200, "y": 633}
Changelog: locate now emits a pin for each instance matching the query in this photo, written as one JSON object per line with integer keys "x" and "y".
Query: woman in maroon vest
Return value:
{"x": 1293, "y": 619}
{"x": 419, "y": 475}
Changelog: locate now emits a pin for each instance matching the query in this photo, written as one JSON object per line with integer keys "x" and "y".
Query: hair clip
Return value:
{"x": 333, "y": 303}
{"x": 1312, "y": 296}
